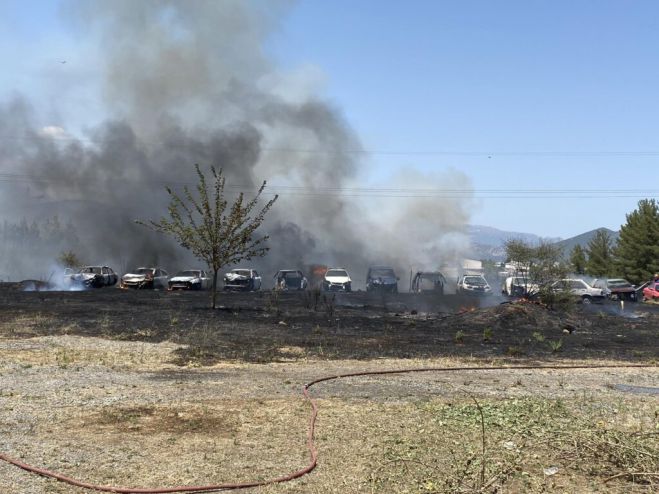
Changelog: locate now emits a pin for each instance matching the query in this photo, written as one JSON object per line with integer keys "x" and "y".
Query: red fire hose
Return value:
{"x": 313, "y": 452}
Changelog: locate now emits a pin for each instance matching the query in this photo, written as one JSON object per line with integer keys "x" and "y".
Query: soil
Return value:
{"x": 149, "y": 388}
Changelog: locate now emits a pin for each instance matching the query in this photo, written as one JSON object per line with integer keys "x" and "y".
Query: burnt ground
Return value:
{"x": 154, "y": 389}
{"x": 268, "y": 327}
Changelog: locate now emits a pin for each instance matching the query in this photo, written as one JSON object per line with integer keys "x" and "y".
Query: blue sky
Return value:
{"x": 520, "y": 81}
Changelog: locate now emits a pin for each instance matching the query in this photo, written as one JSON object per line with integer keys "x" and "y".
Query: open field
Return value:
{"x": 152, "y": 389}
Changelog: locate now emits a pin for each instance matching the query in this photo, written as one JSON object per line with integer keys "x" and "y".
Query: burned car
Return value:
{"x": 290, "y": 279}
{"x": 428, "y": 281}
{"x": 337, "y": 279}
{"x": 616, "y": 288}
{"x": 580, "y": 289}
{"x": 242, "y": 279}
{"x": 381, "y": 278}
{"x": 153, "y": 278}
{"x": 94, "y": 277}
{"x": 519, "y": 286}
{"x": 191, "y": 279}
{"x": 473, "y": 285}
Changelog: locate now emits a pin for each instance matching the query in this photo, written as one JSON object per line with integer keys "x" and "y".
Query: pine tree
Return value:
{"x": 637, "y": 253}
{"x": 578, "y": 259}
{"x": 600, "y": 255}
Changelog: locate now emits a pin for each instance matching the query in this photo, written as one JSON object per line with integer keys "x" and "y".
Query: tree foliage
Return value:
{"x": 542, "y": 264}
{"x": 69, "y": 259}
{"x": 215, "y": 231}
{"x": 600, "y": 255}
{"x": 578, "y": 259}
{"x": 637, "y": 252}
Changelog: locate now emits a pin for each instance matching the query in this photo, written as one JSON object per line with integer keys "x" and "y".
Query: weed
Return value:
{"x": 515, "y": 351}
{"x": 459, "y": 336}
{"x": 311, "y": 298}
{"x": 64, "y": 357}
{"x": 539, "y": 337}
{"x": 272, "y": 302}
{"x": 329, "y": 304}
{"x": 555, "y": 345}
{"x": 487, "y": 334}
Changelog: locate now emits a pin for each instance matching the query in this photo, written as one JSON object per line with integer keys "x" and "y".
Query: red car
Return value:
{"x": 651, "y": 292}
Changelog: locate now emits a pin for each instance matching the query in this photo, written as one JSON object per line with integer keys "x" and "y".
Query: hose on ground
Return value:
{"x": 313, "y": 452}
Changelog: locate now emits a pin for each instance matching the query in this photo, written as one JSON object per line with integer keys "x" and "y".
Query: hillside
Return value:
{"x": 569, "y": 243}
{"x": 488, "y": 242}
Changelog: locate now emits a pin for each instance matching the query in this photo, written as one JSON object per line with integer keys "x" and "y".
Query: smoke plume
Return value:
{"x": 189, "y": 82}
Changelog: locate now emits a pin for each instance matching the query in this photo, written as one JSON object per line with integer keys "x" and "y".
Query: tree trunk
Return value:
{"x": 214, "y": 294}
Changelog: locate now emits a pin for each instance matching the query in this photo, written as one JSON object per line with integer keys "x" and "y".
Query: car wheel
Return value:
{"x": 586, "y": 299}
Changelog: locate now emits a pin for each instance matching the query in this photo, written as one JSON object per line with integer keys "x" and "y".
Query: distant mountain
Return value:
{"x": 569, "y": 243}
{"x": 488, "y": 242}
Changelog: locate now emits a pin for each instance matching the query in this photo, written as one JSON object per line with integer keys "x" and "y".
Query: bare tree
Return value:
{"x": 216, "y": 232}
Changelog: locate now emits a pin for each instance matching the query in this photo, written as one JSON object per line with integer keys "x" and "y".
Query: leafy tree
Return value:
{"x": 600, "y": 254}
{"x": 215, "y": 231}
{"x": 578, "y": 259}
{"x": 69, "y": 259}
{"x": 542, "y": 265}
{"x": 637, "y": 252}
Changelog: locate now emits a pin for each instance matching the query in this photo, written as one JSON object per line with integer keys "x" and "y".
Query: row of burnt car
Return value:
{"x": 378, "y": 278}
{"x": 159, "y": 278}
{"x": 596, "y": 290}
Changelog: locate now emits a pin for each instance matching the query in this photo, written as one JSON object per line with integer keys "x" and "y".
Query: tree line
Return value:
{"x": 635, "y": 256}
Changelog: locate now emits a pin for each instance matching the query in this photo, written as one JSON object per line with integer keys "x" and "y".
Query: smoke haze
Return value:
{"x": 189, "y": 82}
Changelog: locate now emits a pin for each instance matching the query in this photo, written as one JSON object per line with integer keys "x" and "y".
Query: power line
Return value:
{"x": 431, "y": 152}
{"x": 327, "y": 190}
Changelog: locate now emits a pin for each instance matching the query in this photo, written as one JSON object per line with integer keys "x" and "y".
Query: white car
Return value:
{"x": 337, "y": 279}
{"x": 192, "y": 279}
{"x": 581, "y": 289}
{"x": 145, "y": 278}
{"x": 471, "y": 284}
{"x": 242, "y": 279}
{"x": 519, "y": 286}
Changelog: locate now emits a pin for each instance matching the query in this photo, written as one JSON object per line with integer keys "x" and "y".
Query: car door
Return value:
{"x": 578, "y": 287}
{"x": 164, "y": 278}
{"x": 257, "y": 280}
{"x": 105, "y": 273}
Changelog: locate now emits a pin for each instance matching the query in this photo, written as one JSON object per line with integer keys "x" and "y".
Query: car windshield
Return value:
{"x": 521, "y": 281}
{"x": 336, "y": 272}
{"x": 292, "y": 275}
{"x": 475, "y": 280}
{"x": 241, "y": 272}
{"x": 188, "y": 273}
{"x": 385, "y": 272}
{"x": 91, "y": 269}
{"x": 619, "y": 283}
{"x": 144, "y": 271}
{"x": 430, "y": 276}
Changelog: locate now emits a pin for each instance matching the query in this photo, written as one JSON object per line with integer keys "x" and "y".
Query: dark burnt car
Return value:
{"x": 381, "y": 278}
{"x": 616, "y": 288}
{"x": 240, "y": 279}
{"x": 190, "y": 279}
{"x": 290, "y": 279}
{"x": 149, "y": 278}
{"x": 94, "y": 277}
{"x": 428, "y": 281}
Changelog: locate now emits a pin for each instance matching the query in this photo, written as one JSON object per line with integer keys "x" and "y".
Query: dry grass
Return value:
{"x": 218, "y": 400}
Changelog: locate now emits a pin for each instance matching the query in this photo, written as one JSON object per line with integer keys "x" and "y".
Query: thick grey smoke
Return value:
{"x": 189, "y": 82}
